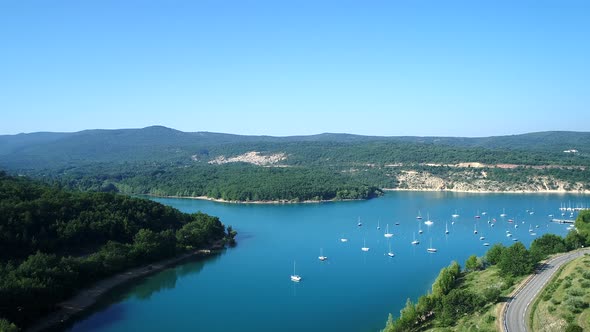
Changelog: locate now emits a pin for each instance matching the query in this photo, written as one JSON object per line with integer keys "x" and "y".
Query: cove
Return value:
{"x": 248, "y": 287}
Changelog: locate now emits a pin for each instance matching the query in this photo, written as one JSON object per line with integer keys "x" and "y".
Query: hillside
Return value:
{"x": 55, "y": 242}
{"x": 161, "y": 144}
{"x": 163, "y": 161}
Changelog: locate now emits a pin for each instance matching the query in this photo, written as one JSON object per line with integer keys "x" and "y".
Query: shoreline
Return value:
{"x": 219, "y": 200}
{"x": 285, "y": 201}
{"x": 559, "y": 192}
{"x": 88, "y": 297}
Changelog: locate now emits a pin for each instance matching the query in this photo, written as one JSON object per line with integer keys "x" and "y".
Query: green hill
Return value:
{"x": 55, "y": 242}
{"x": 164, "y": 161}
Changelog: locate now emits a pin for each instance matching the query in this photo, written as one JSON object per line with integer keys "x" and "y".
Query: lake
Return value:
{"x": 248, "y": 287}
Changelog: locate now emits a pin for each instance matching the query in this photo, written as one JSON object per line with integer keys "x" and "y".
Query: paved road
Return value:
{"x": 516, "y": 309}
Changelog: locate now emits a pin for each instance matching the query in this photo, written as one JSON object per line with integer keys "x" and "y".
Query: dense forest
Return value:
{"x": 163, "y": 161}
{"x": 450, "y": 301}
{"x": 54, "y": 242}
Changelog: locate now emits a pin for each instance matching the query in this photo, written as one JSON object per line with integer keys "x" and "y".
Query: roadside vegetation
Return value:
{"x": 53, "y": 242}
{"x": 466, "y": 300}
{"x": 564, "y": 304}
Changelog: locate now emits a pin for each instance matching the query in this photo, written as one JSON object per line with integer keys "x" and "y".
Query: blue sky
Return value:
{"x": 449, "y": 68}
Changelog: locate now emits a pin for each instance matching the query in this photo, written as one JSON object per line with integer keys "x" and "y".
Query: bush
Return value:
{"x": 6, "y": 326}
{"x": 575, "y": 292}
{"x": 491, "y": 294}
{"x": 573, "y": 328}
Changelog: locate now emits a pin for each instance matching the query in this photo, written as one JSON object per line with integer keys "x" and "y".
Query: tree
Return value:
{"x": 546, "y": 245}
{"x": 494, "y": 253}
{"x": 471, "y": 263}
{"x": 516, "y": 260}
{"x": 574, "y": 240}
{"x": 583, "y": 224}
{"x": 446, "y": 279}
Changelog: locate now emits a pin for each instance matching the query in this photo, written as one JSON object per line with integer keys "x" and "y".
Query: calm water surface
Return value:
{"x": 248, "y": 288}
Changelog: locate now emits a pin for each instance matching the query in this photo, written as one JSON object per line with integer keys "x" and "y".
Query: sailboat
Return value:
{"x": 295, "y": 277}
{"x": 475, "y": 229}
{"x": 322, "y": 257}
{"x": 447, "y": 228}
{"x": 415, "y": 241}
{"x": 428, "y": 222}
{"x": 477, "y": 216}
{"x": 343, "y": 239}
{"x": 364, "y": 248}
{"x": 455, "y": 215}
{"x": 431, "y": 249}
{"x": 503, "y": 213}
{"x": 378, "y": 227}
{"x": 419, "y": 228}
{"x": 419, "y": 215}
{"x": 359, "y": 222}
{"x": 390, "y": 253}
{"x": 482, "y": 238}
{"x": 387, "y": 234}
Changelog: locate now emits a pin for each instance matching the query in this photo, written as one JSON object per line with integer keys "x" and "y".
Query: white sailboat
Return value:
{"x": 364, "y": 248}
{"x": 415, "y": 241}
{"x": 343, "y": 239}
{"x": 390, "y": 253}
{"x": 419, "y": 215}
{"x": 359, "y": 223}
{"x": 321, "y": 256}
{"x": 482, "y": 238}
{"x": 428, "y": 222}
{"x": 447, "y": 228}
{"x": 378, "y": 226}
{"x": 503, "y": 213}
{"x": 419, "y": 228}
{"x": 387, "y": 234}
{"x": 455, "y": 215}
{"x": 295, "y": 277}
{"x": 431, "y": 249}
{"x": 475, "y": 229}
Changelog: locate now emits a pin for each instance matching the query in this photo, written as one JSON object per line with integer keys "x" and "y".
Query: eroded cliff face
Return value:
{"x": 252, "y": 157}
{"x": 477, "y": 181}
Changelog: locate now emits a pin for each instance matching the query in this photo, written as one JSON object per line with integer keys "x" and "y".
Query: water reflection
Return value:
{"x": 111, "y": 308}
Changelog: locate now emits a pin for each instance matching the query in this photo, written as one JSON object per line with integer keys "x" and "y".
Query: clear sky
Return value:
{"x": 449, "y": 68}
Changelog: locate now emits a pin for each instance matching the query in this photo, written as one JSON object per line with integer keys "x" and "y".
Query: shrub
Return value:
{"x": 573, "y": 328}
{"x": 575, "y": 292}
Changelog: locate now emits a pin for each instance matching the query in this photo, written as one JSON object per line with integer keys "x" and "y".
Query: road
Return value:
{"x": 515, "y": 312}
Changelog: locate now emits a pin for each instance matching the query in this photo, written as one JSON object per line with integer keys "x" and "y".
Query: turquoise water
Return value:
{"x": 248, "y": 288}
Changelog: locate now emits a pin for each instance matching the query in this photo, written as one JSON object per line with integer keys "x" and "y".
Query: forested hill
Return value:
{"x": 54, "y": 242}
{"x": 161, "y": 144}
{"x": 162, "y": 161}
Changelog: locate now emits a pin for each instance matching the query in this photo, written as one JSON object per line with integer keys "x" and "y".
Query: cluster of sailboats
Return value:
{"x": 428, "y": 222}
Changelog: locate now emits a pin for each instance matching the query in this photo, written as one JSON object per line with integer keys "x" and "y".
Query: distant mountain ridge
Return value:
{"x": 162, "y": 144}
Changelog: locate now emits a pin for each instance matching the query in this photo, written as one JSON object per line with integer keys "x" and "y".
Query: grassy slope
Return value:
{"x": 555, "y": 307}
{"x": 485, "y": 319}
